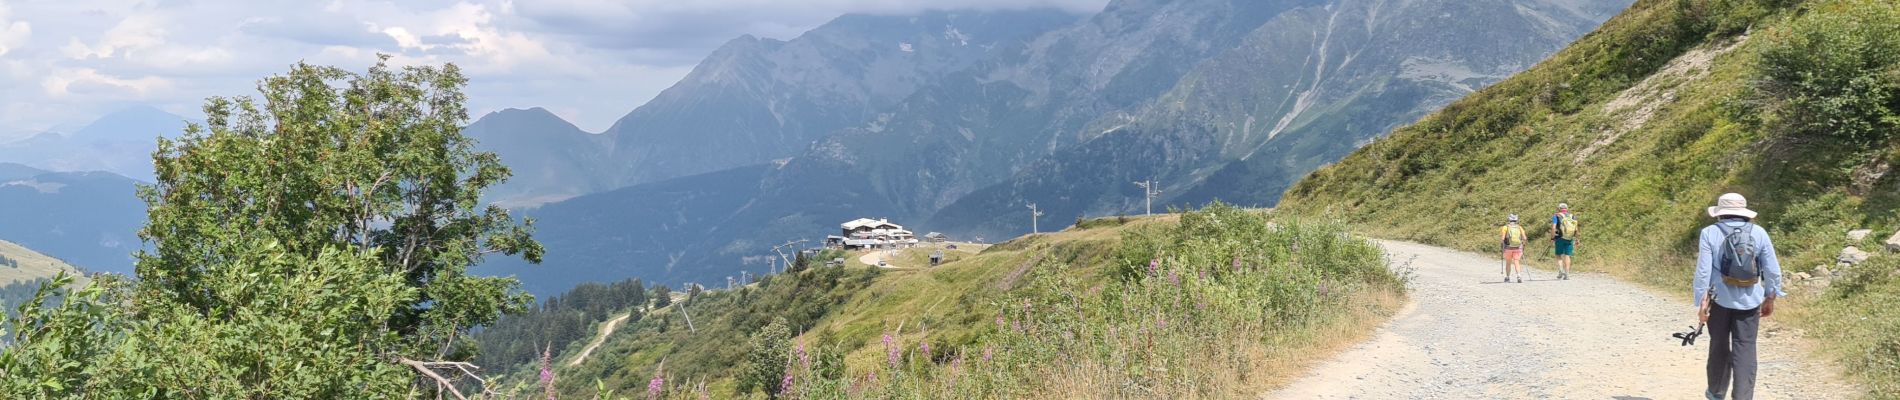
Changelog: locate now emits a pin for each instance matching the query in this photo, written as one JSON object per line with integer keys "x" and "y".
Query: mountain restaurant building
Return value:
{"x": 866, "y": 233}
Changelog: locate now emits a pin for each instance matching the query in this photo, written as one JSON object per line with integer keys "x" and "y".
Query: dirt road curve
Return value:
{"x": 605, "y": 330}
{"x": 1466, "y": 336}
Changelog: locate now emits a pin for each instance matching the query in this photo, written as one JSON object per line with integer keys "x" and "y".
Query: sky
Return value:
{"x": 64, "y": 63}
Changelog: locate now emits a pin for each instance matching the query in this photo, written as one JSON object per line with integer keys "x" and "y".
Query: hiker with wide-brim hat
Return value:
{"x": 1737, "y": 279}
{"x": 1511, "y": 240}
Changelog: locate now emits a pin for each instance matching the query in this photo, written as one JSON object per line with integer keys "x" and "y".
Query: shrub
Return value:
{"x": 766, "y": 358}
{"x": 1835, "y": 73}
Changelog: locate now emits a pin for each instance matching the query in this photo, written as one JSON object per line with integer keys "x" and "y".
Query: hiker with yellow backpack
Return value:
{"x": 1563, "y": 225}
{"x": 1511, "y": 239}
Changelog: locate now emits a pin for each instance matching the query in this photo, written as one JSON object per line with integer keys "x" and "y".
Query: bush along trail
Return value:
{"x": 1467, "y": 336}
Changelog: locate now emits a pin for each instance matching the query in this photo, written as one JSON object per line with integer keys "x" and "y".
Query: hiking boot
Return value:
{"x": 1507, "y": 279}
{"x": 1520, "y": 279}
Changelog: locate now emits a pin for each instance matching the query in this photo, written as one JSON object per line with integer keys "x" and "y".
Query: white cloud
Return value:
{"x": 12, "y": 33}
{"x": 89, "y": 82}
{"x": 134, "y": 33}
{"x": 65, "y": 62}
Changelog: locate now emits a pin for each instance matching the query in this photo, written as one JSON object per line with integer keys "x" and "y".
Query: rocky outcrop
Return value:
{"x": 1893, "y": 243}
{"x": 1858, "y": 234}
{"x": 1853, "y": 256}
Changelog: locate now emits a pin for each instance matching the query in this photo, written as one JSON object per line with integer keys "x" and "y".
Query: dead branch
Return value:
{"x": 427, "y": 368}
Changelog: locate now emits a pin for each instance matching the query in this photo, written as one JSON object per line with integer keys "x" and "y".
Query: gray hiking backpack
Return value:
{"x": 1738, "y": 262}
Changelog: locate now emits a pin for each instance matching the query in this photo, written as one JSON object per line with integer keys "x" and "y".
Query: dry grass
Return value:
{"x": 33, "y": 265}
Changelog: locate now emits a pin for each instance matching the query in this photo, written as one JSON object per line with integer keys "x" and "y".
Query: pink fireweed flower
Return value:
{"x": 988, "y": 352}
{"x": 890, "y": 350}
{"x": 1236, "y": 266}
{"x": 657, "y": 384}
{"x": 956, "y": 368}
{"x": 547, "y": 372}
{"x": 804, "y": 360}
{"x": 785, "y": 386}
{"x": 923, "y": 348}
{"x": 1154, "y": 264}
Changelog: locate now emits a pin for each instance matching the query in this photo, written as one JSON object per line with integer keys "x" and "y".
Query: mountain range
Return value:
{"x": 121, "y": 142}
{"x": 87, "y": 219}
{"x": 947, "y": 121}
{"x": 1217, "y": 99}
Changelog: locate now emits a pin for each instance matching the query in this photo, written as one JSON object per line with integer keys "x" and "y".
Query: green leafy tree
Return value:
{"x": 662, "y": 296}
{"x": 310, "y": 243}
{"x": 766, "y": 357}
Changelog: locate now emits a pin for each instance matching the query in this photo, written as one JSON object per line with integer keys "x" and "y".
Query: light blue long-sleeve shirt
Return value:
{"x": 1713, "y": 241}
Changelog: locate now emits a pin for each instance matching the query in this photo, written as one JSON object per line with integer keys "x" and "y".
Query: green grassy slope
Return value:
{"x": 1641, "y": 124}
{"x": 1235, "y": 305}
{"x": 20, "y": 264}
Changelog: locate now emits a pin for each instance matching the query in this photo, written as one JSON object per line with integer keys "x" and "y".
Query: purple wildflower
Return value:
{"x": 547, "y": 371}
{"x": 924, "y": 348}
{"x": 1236, "y": 263}
{"x": 988, "y": 352}
{"x": 1174, "y": 279}
{"x": 785, "y": 386}
{"x": 999, "y": 321}
{"x": 956, "y": 368}
{"x": 804, "y": 360}
{"x": 659, "y": 382}
{"x": 890, "y": 350}
{"x": 1153, "y": 265}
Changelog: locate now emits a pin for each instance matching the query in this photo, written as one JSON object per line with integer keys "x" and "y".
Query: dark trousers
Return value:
{"x": 1732, "y": 351}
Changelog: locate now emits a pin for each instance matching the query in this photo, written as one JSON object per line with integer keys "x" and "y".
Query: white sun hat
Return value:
{"x": 1731, "y": 204}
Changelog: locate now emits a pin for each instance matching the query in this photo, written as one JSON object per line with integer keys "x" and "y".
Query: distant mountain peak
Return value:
{"x": 133, "y": 123}
{"x": 517, "y": 116}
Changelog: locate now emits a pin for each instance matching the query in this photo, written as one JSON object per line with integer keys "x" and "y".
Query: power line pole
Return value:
{"x": 1149, "y": 189}
{"x": 781, "y": 254}
{"x": 1034, "y": 215}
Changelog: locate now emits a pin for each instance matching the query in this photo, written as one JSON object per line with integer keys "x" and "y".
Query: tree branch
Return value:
{"x": 427, "y": 368}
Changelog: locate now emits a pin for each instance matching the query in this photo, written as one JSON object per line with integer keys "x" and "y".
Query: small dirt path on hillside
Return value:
{"x": 872, "y": 258}
{"x": 1465, "y": 335}
{"x": 605, "y": 330}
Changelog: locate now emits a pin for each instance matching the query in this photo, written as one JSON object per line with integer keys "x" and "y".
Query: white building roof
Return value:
{"x": 867, "y": 222}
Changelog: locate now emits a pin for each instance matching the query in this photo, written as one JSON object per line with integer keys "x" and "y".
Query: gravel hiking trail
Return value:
{"x": 605, "y": 330}
{"x": 1467, "y": 335}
